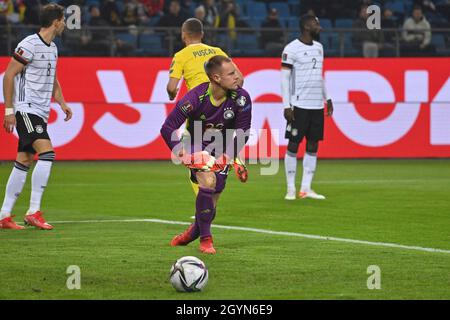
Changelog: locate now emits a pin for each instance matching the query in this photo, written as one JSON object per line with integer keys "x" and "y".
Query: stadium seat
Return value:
{"x": 326, "y": 23}
{"x": 151, "y": 44}
{"x": 295, "y": 9}
{"x": 127, "y": 37}
{"x": 255, "y": 23}
{"x": 257, "y": 9}
{"x": 292, "y": 24}
{"x": 247, "y": 45}
{"x": 396, "y": 6}
{"x": 282, "y": 8}
{"x": 343, "y": 23}
{"x": 330, "y": 42}
{"x": 92, "y": 3}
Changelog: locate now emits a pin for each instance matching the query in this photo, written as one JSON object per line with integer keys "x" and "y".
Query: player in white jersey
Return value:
{"x": 303, "y": 92}
{"x": 29, "y": 84}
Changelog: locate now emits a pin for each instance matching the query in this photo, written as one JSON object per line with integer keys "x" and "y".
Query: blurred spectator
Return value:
{"x": 416, "y": 35}
{"x": 110, "y": 12}
{"x": 32, "y": 9}
{"x": 388, "y": 22}
{"x": 272, "y": 40}
{"x": 99, "y": 40}
{"x": 211, "y": 13}
{"x": 228, "y": 17}
{"x": 133, "y": 13}
{"x": 153, "y": 7}
{"x": 8, "y": 12}
{"x": 426, "y": 5}
{"x": 369, "y": 40}
{"x": 174, "y": 18}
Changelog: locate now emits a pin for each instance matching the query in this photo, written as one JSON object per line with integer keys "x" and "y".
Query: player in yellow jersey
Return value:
{"x": 189, "y": 64}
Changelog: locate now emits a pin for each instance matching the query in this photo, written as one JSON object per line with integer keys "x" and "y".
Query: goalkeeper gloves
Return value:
{"x": 240, "y": 169}
{"x": 204, "y": 161}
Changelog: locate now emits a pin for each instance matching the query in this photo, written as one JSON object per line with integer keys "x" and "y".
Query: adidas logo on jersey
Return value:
{"x": 42, "y": 57}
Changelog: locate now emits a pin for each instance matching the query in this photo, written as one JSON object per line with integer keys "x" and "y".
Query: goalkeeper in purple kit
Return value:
{"x": 218, "y": 115}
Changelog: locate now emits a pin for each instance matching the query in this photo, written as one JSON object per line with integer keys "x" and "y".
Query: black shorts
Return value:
{"x": 307, "y": 123}
{"x": 30, "y": 128}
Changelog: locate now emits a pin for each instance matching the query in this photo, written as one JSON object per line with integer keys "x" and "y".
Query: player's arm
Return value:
{"x": 172, "y": 87}
{"x": 175, "y": 74}
{"x": 287, "y": 63}
{"x": 286, "y": 71}
{"x": 174, "y": 121}
{"x": 58, "y": 96}
{"x": 14, "y": 67}
{"x": 243, "y": 122}
{"x": 328, "y": 100}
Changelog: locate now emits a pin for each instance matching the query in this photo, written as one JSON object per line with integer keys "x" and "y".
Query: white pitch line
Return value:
{"x": 280, "y": 233}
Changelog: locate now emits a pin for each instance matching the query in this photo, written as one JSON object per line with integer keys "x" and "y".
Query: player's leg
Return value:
{"x": 204, "y": 212}
{"x": 14, "y": 188}
{"x": 294, "y": 133}
{"x": 290, "y": 166}
{"x": 39, "y": 180}
{"x": 314, "y": 135}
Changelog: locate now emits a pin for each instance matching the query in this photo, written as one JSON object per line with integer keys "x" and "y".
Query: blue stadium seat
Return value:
{"x": 343, "y": 23}
{"x": 255, "y": 23}
{"x": 282, "y": 7}
{"x": 293, "y": 23}
{"x": 151, "y": 44}
{"x": 326, "y": 23}
{"x": 330, "y": 42}
{"x": 127, "y": 37}
{"x": 92, "y": 3}
{"x": 247, "y": 45}
{"x": 396, "y": 6}
{"x": 257, "y": 9}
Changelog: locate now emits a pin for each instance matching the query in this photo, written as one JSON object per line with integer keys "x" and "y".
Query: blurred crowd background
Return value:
{"x": 243, "y": 28}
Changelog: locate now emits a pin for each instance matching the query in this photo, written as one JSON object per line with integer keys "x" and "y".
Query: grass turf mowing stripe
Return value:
{"x": 281, "y": 233}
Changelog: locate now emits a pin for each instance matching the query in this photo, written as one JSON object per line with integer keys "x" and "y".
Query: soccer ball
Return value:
{"x": 189, "y": 274}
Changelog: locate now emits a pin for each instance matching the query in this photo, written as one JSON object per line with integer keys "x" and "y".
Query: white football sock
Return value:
{"x": 39, "y": 180}
{"x": 290, "y": 165}
{"x": 309, "y": 167}
{"x": 14, "y": 187}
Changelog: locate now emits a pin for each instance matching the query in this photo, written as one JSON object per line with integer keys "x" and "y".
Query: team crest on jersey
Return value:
{"x": 294, "y": 132}
{"x": 241, "y": 101}
{"x": 186, "y": 107}
{"x": 39, "y": 129}
{"x": 202, "y": 117}
{"x": 228, "y": 114}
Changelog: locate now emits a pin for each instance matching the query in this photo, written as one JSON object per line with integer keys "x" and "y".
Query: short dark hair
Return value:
{"x": 193, "y": 26}
{"x": 304, "y": 19}
{"x": 213, "y": 64}
{"x": 50, "y": 13}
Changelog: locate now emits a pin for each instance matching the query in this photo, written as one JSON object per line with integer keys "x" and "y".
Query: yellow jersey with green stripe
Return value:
{"x": 189, "y": 63}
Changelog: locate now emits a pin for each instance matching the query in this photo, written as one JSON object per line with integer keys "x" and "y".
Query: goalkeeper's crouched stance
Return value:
{"x": 212, "y": 110}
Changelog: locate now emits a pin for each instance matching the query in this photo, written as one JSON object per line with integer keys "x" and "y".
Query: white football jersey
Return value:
{"x": 33, "y": 87}
{"x": 307, "y": 86}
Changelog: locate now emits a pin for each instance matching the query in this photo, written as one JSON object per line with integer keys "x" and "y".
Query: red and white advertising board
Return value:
{"x": 384, "y": 108}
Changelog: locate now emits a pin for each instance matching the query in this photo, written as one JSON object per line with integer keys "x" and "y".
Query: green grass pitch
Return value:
{"x": 403, "y": 202}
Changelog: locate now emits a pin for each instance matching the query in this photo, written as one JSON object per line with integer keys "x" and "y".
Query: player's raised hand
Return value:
{"x": 67, "y": 111}
{"x": 330, "y": 108}
{"x": 289, "y": 114}
{"x": 9, "y": 123}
